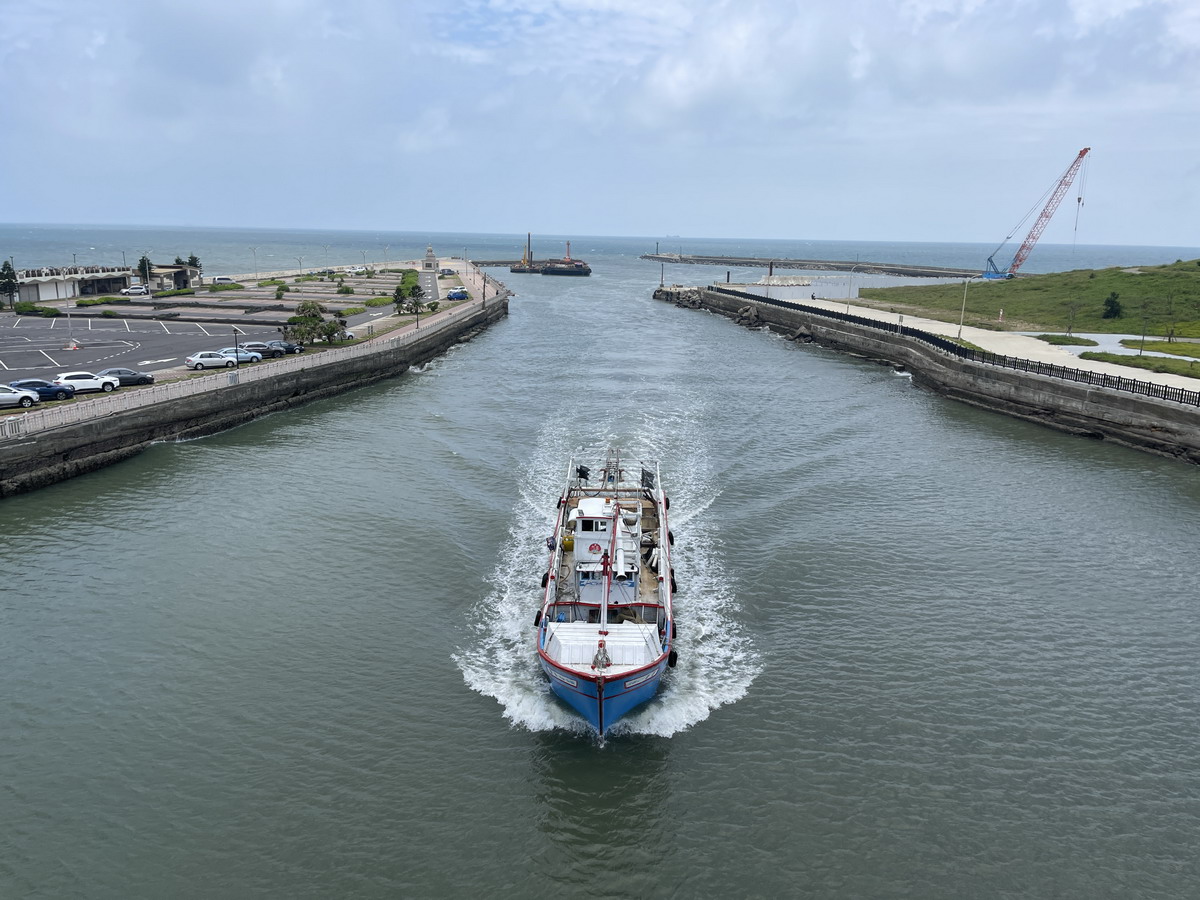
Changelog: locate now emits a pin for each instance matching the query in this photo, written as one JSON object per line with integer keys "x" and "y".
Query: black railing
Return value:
{"x": 1067, "y": 373}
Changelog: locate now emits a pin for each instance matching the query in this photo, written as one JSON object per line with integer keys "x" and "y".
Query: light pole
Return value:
{"x": 254, "y": 250}
{"x": 325, "y": 247}
{"x": 237, "y": 352}
{"x": 364, "y": 253}
{"x": 962, "y": 313}
{"x": 300, "y": 260}
{"x": 387, "y": 248}
{"x": 149, "y": 266}
{"x": 850, "y": 288}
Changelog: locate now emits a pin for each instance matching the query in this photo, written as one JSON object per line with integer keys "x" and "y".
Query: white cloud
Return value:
{"x": 824, "y": 100}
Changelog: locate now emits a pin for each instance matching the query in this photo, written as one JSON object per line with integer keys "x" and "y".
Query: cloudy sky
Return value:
{"x": 928, "y": 120}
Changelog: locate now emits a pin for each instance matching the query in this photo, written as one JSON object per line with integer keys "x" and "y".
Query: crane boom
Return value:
{"x": 1060, "y": 191}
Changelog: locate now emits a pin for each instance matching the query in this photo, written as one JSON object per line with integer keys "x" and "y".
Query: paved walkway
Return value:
{"x": 1009, "y": 344}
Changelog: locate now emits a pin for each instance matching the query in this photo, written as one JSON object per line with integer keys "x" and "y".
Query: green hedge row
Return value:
{"x": 379, "y": 301}
{"x": 96, "y": 301}
{"x": 226, "y": 287}
{"x": 25, "y": 308}
{"x": 175, "y": 293}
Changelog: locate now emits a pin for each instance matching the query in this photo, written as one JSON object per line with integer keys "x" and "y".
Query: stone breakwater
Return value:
{"x": 1148, "y": 423}
{"x": 36, "y": 456}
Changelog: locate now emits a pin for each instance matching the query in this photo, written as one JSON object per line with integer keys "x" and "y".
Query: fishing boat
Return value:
{"x": 606, "y": 627}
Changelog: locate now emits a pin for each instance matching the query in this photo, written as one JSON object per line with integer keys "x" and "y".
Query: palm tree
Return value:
{"x": 415, "y": 305}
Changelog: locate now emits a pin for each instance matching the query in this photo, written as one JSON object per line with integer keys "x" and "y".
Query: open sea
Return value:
{"x": 926, "y": 651}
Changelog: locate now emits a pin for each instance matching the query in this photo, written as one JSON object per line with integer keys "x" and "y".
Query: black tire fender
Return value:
{"x": 545, "y": 578}
{"x": 671, "y": 538}
{"x": 537, "y": 618}
{"x": 672, "y": 658}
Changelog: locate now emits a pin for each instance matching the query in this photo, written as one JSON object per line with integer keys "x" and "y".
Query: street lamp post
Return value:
{"x": 962, "y": 313}
{"x": 364, "y": 253}
{"x": 237, "y": 352}
{"x": 325, "y": 247}
{"x": 850, "y": 288}
{"x": 254, "y": 250}
{"x": 300, "y": 260}
{"x": 387, "y": 248}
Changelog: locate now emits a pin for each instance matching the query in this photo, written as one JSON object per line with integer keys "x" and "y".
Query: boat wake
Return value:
{"x": 716, "y": 661}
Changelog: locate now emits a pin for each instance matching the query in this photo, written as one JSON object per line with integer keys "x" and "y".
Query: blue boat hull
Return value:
{"x": 605, "y": 703}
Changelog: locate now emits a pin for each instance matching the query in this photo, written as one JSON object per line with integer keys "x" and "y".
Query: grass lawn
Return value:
{"x": 1167, "y": 297}
{"x": 1184, "y": 348}
{"x": 1150, "y": 363}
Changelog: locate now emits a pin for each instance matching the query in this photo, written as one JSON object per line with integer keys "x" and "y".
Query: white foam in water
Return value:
{"x": 716, "y": 661}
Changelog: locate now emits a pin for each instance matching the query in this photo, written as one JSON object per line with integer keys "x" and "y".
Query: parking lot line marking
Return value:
{"x": 2, "y": 364}
{"x": 48, "y": 356}
{"x": 165, "y": 328}
{"x": 202, "y": 328}
{"x": 126, "y": 321}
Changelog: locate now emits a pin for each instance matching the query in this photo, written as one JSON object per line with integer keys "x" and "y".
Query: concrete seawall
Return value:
{"x": 1144, "y": 423}
{"x": 47, "y": 456}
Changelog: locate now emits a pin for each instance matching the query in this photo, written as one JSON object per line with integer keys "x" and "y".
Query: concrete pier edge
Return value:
{"x": 28, "y": 462}
{"x": 1149, "y": 424}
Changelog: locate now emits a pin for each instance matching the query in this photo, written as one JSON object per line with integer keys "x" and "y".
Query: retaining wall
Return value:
{"x": 45, "y": 448}
{"x": 1155, "y": 425}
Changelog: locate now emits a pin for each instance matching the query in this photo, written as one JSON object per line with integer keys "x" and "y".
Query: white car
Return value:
{"x": 209, "y": 359}
{"x": 138, "y": 290}
{"x": 10, "y": 396}
{"x": 87, "y": 381}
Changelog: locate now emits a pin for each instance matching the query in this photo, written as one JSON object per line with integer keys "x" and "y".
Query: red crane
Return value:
{"x": 1058, "y": 192}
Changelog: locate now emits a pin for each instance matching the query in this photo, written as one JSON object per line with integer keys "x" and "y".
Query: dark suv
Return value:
{"x": 266, "y": 351}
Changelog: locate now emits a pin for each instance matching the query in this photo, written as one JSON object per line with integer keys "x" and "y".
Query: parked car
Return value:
{"x": 266, "y": 351}
{"x": 286, "y": 346}
{"x": 88, "y": 381}
{"x": 209, "y": 359}
{"x": 240, "y": 355}
{"x": 11, "y": 396}
{"x": 458, "y": 294}
{"x": 128, "y": 376}
{"x": 137, "y": 290}
{"x": 221, "y": 279}
{"x": 47, "y": 390}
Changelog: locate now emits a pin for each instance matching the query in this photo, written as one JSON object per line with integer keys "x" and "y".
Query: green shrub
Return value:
{"x": 353, "y": 311}
{"x": 96, "y": 301}
{"x": 379, "y": 301}
{"x": 226, "y": 287}
{"x": 345, "y": 289}
{"x": 270, "y": 282}
{"x": 25, "y": 308}
{"x": 175, "y": 293}
{"x": 110, "y": 314}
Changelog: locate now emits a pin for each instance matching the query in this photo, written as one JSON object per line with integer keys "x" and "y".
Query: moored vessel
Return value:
{"x": 606, "y": 627}
{"x": 566, "y": 265}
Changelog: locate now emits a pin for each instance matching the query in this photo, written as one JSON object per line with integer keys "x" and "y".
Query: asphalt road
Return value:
{"x": 33, "y": 347}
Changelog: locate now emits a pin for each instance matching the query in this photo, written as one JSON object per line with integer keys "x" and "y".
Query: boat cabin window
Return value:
{"x": 594, "y": 524}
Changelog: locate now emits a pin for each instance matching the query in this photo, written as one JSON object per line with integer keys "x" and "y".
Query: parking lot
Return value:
{"x": 32, "y": 347}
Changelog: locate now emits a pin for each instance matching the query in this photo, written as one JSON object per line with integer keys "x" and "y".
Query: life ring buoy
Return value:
{"x": 594, "y": 548}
